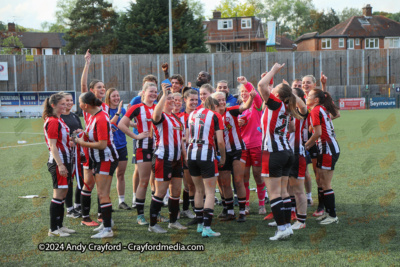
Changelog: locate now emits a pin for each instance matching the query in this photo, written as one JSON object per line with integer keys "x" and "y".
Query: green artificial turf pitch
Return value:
{"x": 365, "y": 183}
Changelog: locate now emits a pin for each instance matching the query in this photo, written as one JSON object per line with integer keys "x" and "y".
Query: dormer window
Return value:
{"x": 225, "y": 24}
{"x": 246, "y": 23}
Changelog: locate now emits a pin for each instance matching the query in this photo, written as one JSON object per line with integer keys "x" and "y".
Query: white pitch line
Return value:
{"x": 19, "y": 133}
{"x": 23, "y": 145}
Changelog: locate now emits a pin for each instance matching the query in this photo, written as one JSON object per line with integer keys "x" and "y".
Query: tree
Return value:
{"x": 64, "y": 10}
{"x": 92, "y": 25}
{"x": 349, "y": 12}
{"x": 11, "y": 45}
{"x": 393, "y": 16}
{"x": 234, "y": 8}
{"x": 290, "y": 15}
{"x": 144, "y": 28}
{"x": 197, "y": 8}
{"x": 319, "y": 21}
{"x": 3, "y": 26}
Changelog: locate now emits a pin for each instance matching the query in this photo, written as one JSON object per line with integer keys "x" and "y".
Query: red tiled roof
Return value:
{"x": 282, "y": 42}
{"x": 360, "y": 26}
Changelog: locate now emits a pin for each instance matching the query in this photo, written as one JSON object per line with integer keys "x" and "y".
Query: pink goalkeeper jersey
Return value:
{"x": 252, "y": 137}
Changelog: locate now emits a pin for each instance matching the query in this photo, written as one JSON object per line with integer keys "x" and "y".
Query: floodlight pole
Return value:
{"x": 171, "y": 55}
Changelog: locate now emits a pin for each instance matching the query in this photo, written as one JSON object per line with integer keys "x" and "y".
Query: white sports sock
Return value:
{"x": 309, "y": 195}
{"x": 134, "y": 198}
{"x": 69, "y": 209}
{"x": 232, "y": 212}
{"x": 281, "y": 227}
{"x": 121, "y": 199}
{"x": 76, "y": 205}
{"x": 266, "y": 193}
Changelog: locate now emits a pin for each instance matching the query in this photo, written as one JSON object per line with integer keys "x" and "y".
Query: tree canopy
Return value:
{"x": 144, "y": 28}
{"x": 92, "y": 24}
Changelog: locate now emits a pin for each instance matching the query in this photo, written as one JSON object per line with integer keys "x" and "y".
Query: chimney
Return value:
{"x": 216, "y": 14}
{"x": 11, "y": 27}
{"x": 367, "y": 11}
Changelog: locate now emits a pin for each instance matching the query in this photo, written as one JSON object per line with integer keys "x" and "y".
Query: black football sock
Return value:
{"x": 329, "y": 201}
{"x": 277, "y": 210}
{"x": 185, "y": 196}
{"x": 106, "y": 213}
{"x": 54, "y": 213}
{"x": 207, "y": 217}
{"x": 173, "y": 207}
{"x": 85, "y": 203}
{"x": 140, "y": 206}
{"x": 155, "y": 207}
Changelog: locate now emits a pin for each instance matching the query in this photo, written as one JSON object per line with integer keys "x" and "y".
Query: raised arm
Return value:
{"x": 249, "y": 101}
{"x": 265, "y": 80}
{"x": 301, "y": 105}
{"x": 323, "y": 80}
{"x": 160, "y": 105}
{"x": 164, "y": 68}
{"x": 84, "y": 78}
{"x": 114, "y": 119}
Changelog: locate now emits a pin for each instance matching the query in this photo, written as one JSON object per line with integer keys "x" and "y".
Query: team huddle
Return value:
{"x": 199, "y": 136}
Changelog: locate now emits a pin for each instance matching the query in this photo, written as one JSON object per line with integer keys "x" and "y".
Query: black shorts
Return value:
{"x": 105, "y": 167}
{"x": 164, "y": 169}
{"x": 122, "y": 154}
{"x": 298, "y": 169}
{"x": 326, "y": 161}
{"x": 205, "y": 169}
{"x": 276, "y": 164}
{"x": 144, "y": 155}
{"x": 313, "y": 151}
{"x": 59, "y": 182}
{"x": 134, "y": 152}
{"x": 230, "y": 157}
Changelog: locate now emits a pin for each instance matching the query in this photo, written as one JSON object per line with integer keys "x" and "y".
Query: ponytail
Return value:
{"x": 291, "y": 102}
{"x": 211, "y": 103}
{"x": 288, "y": 98}
{"x": 90, "y": 99}
{"x": 48, "y": 110}
{"x": 325, "y": 99}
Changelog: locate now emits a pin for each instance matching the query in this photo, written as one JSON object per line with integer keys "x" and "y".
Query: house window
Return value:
{"x": 224, "y": 24}
{"x": 350, "y": 43}
{"x": 341, "y": 42}
{"x": 47, "y": 51}
{"x": 223, "y": 47}
{"x": 372, "y": 43}
{"x": 29, "y": 51}
{"x": 326, "y": 43}
{"x": 246, "y": 23}
{"x": 394, "y": 42}
{"x": 358, "y": 41}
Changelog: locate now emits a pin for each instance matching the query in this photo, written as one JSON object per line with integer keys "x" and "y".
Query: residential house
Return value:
{"x": 358, "y": 32}
{"x": 238, "y": 34}
{"x": 284, "y": 44}
{"x": 39, "y": 43}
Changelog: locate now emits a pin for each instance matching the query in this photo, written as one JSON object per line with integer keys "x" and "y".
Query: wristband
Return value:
{"x": 116, "y": 114}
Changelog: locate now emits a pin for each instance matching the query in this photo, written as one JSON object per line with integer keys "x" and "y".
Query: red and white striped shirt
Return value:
{"x": 274, "y": 125}
{"x": 168, "y": 132}
{"x": 99, "y": 128}
{"x": 202, "y": 125}
{"x": 86, "y": 116}
{"x": 143, "y": 115}
{"x": 56, "y": 128}
{"x": 326, "y": 143}
{"x": 232, "y": 134}
{"x": 296, "y": 138}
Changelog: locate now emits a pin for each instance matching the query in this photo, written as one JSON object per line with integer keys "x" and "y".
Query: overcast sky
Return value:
{"x": 31, "y": 14}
